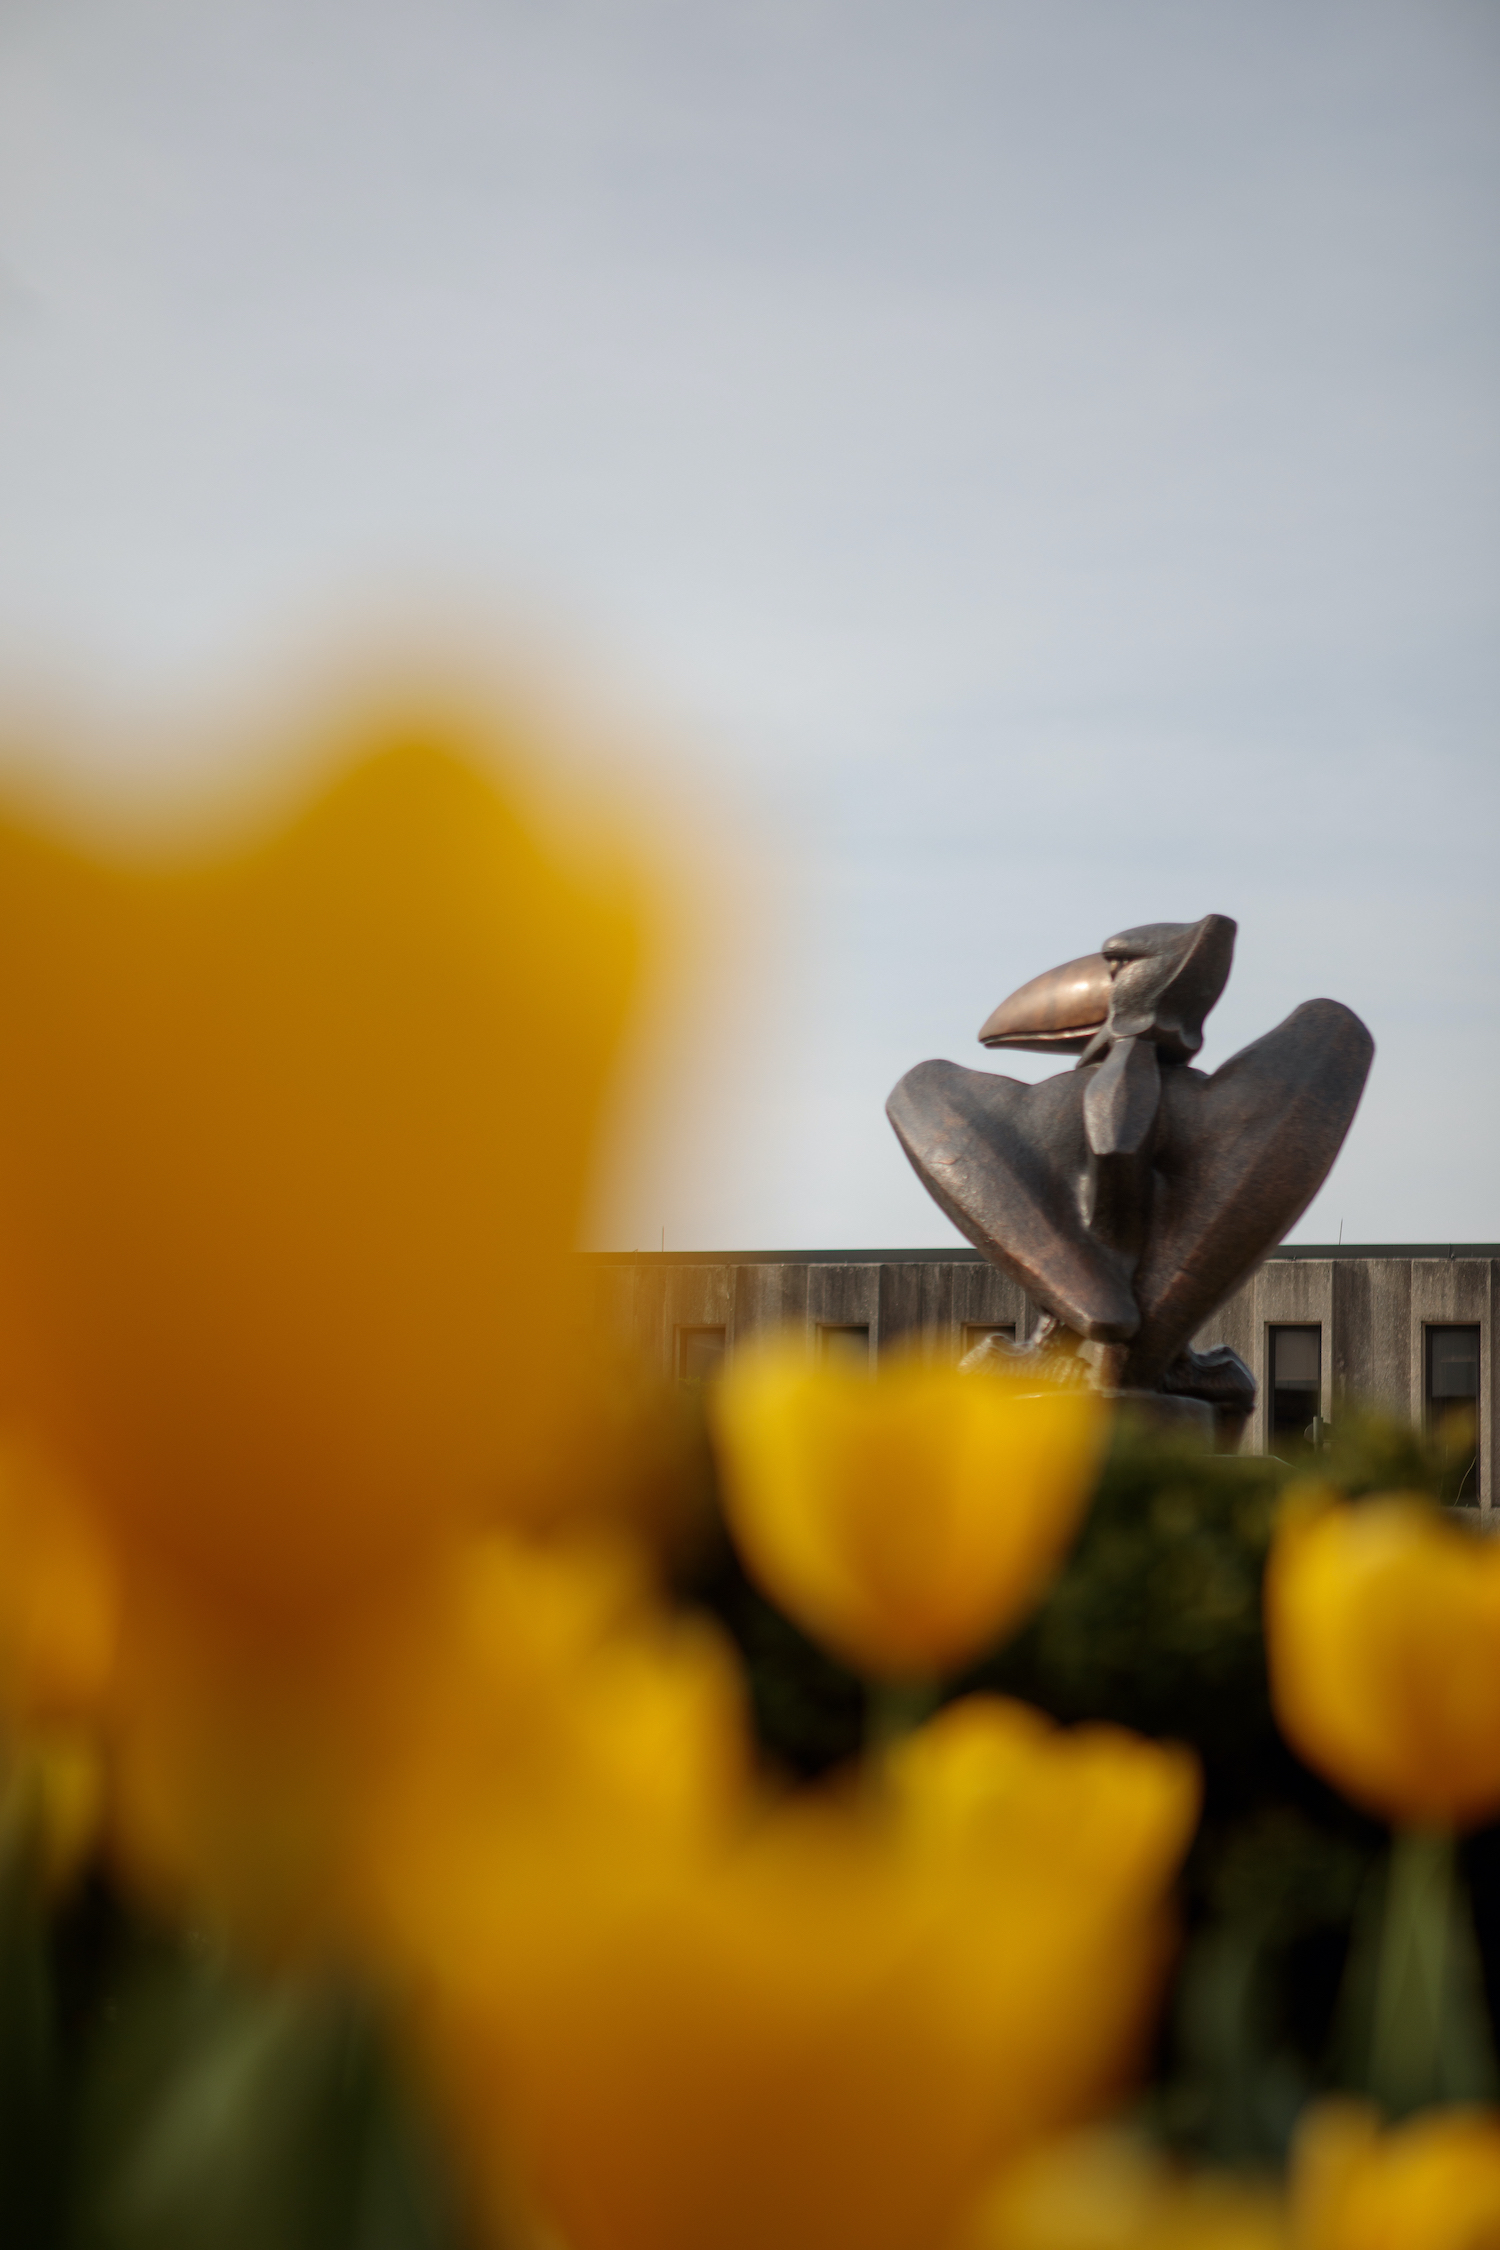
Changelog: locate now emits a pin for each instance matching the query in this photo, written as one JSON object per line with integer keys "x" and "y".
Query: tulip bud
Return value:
{"x": 1383, "y": 1638}
{"x": 906, "y": 1521}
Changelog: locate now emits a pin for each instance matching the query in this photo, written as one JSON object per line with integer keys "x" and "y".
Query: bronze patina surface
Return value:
{"x": 1057, "y": 1013}
{"x": 1131, "y": 1195}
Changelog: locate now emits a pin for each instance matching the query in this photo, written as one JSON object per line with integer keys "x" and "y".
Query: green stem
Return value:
{"x": 893, "y": 1708}
{"x": 1412, "y": 1977}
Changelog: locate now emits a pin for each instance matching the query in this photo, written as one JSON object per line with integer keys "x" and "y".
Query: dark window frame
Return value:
{"x": 1295, "y": 1403}
{"x": 1436, "y": 1405}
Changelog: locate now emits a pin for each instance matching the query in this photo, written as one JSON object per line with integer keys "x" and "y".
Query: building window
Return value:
{"x": 1452, "y": 1406}
{"x": 700, "y": 1354}
{"x": 1296, "y": 1387}
{"x": 979, "y": 1332}
{"x": 844, "y": 1343}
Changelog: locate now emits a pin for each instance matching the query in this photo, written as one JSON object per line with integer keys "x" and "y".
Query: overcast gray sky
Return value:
{"x": 1043, "y": 456}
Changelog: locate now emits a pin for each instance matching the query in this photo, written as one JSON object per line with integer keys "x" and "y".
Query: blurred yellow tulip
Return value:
{"x": 828, "y": 2028}
{"x": 1430, "y": 2184}
{"x": 908, "y": 1520}
{"x": 1383, "y": 1639}
{"x": 296, "y": 1140}
{"x": 998, "y": 1780}
{"x": 296, "y": 1134}
{"x": 1105, "y": 2190}
{"x": 554, "y": 1710}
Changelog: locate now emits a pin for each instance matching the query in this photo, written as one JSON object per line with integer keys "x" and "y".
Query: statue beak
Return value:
{"x": 1057, "y": 1013}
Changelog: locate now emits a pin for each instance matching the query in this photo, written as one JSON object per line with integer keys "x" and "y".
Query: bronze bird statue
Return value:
{"x": 1131, "y": 1195}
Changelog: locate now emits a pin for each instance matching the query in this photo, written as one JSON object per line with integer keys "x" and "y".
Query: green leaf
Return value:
{"x": 227, "y": 2114}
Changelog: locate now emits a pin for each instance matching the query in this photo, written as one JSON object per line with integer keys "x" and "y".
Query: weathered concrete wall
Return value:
{"x": 1285, "y": 1292}
{"x": 923, "y": 1303}
{"x": 1371, "y": 1352}
{"x": 1373, "y": 1306}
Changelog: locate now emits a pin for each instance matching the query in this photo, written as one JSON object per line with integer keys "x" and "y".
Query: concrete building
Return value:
{"x": 1405, "y": 1326}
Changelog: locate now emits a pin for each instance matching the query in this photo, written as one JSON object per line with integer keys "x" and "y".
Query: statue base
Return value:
{"x": 1219, "y": 1428}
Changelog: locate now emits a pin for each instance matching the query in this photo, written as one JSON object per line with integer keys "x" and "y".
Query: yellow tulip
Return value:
{"x": 1430, "y": 2184}
{"x": 1383, "y": 1639}
{"x": 997, "y": 1780}
{"x": 295, "y": 1135}
{"x": 1015, "y": 1813}
{"x": 1106, "y": 2191}
{"x": 904, "y": 1521}
{"x": 550, "y": 1710}
{"x": 824, "y": 2029}
{"x": 296, "y": 1140}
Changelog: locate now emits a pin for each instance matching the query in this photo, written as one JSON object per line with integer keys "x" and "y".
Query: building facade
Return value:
{"x": 1407, "y": 1327}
